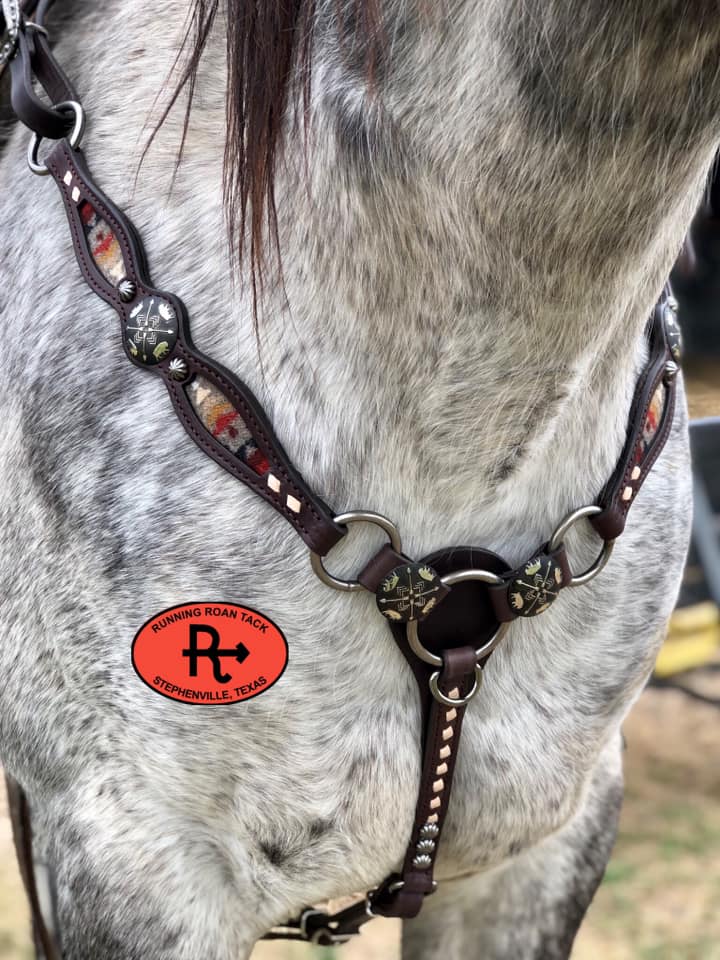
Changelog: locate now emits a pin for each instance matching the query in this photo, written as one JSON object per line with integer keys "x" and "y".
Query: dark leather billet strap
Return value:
{"x": 22, "y": 836}
{"x": 403, "y": 895}
{"x": 34, "y": 61}
{"x": 649, "y": 423}
{"x": 463, "y": 622}
{"x": 379, "y": 566}
{"x": 279, "y": 483}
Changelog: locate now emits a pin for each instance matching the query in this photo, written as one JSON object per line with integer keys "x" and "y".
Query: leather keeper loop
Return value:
{"x": 33, "y": 59}
{"x": 379, "y": 566}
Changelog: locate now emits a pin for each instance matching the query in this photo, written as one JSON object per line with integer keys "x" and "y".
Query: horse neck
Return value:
{"x": 458, "y": 326}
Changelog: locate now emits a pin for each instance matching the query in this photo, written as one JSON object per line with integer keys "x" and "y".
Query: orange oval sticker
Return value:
{"x": 209, "y": 653}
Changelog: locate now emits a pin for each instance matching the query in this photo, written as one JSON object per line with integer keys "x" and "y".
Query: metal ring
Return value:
{"x": 31, "y": 25}
{"x": 558, "y": 537}
{"x": 329, "y": 935}
{"x": 448, "y": 701}
{"x": 38, "y": 166}
{"x": 449, "y": 580}
{"x": 393, "y": 888}
{"x": 355, "y": 516}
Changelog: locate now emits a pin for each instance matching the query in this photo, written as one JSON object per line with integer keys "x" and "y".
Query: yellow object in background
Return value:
{"x": 692, "y": 641}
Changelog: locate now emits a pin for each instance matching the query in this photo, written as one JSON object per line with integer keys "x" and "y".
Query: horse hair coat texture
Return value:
{"x": 470, "y": 254}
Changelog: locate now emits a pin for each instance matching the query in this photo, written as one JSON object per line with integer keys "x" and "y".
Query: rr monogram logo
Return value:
{"x": 213, "y": 652}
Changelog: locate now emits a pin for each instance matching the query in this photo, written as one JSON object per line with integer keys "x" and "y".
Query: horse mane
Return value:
{"x": 269, "y": 66}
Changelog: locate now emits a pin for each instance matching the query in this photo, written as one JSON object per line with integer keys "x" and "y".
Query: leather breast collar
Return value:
{"x": 447, "y": 611}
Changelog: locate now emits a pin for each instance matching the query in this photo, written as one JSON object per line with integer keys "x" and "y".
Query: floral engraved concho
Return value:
{"x": 536, "y": 587}
{"x": 408, "y": 592}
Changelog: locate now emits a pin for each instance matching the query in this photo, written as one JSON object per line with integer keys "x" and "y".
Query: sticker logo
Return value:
{"x": 209, "y": 653}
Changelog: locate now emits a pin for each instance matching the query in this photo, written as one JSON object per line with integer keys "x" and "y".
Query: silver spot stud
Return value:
{"x": 425, "y": 846}
{"x": 429, "y": 831}
{"x": 178, "y": 369}
{"x": 127, "y": 290}
{"x": 422, "y": 861}
{"x": 671, "y": 370}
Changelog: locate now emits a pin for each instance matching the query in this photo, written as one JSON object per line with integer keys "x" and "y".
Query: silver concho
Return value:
{"x": 151, "y": 330}
{"x": 127, "y": 290}
{"x": 422, "y": 861}
{"x": 428, "y": 831}
{"x": 178, "y": 369}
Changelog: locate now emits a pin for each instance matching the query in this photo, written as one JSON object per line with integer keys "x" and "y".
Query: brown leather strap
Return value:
{"x": 654, "y": 398}
{"x": 280, "y": 485}
{"x": 33, "y": 61}
{"x": 402, "y": 894}
{"x": 379, "y": 566}
{"x": 456, "y": 628}
{"x": 22, "y": 836}
{"x": 442, "y": 741}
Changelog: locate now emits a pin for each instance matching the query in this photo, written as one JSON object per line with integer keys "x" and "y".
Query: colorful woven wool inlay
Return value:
{"x": 652, "y": 422}
{"x": 102, "y": 244}
{"x": 222, "y": 420}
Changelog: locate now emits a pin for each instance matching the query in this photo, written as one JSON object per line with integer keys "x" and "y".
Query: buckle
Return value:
{"x": 322, "y": 935}
{"x": 9, "y": 36}
{"x": 8, "y": 46}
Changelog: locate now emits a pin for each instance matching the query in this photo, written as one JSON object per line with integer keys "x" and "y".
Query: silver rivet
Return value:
{"x": 429, "y": 831}
{"x": 177, "y": 369}
{"x": 127, "y": 290}
{"x": 422, "y": 861}
{"x": 672, "y": 303}
{"x": 425, "y": 846}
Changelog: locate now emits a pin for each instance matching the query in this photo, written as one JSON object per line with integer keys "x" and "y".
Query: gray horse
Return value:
{"x": 477, "y": 204}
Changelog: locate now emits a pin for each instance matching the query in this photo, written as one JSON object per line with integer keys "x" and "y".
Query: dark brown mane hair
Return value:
{"x": 269, "y": 64}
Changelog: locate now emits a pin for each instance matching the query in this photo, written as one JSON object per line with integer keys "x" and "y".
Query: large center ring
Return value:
{"x": 355, "y": 516}
{"x": 449, "y": 580}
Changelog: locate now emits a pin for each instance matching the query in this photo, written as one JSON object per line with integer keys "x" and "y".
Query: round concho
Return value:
{"x": 409, "y": 592}
{"x": 151, "y": 330}
{"x": 536, "y": 586}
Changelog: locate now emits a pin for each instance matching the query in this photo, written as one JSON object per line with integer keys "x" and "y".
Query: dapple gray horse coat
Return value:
{"x": 469, "y": 260}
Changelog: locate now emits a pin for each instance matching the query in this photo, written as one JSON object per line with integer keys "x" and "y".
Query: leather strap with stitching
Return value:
{"x": 310, "y": 516}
